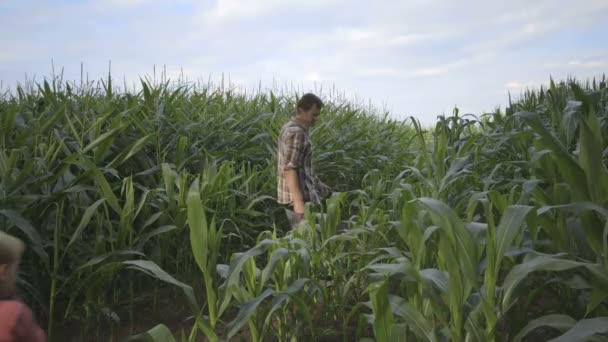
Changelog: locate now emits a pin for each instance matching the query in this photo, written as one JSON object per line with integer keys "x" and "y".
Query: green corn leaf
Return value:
{"x": 593, "y": 234}
{"x": 142, "y": 201}
{"x": 281, "y": 299}
{"x": 158, "y": 231}
{"x": 598, "y": 296}
{"x": 559, "y": 322}
{"x": 436, "y": 277}
{"x": 94, "y": 279}
{"x": 383, "y": 315}
{"x": 206, "y": 328}
{"x": 127, "y": 213}
{"x": 272, "y": 263}
{"x": 535, "y": 262}
{"x": 84, "y": 221}
{"x": 584, "y": 330}
{"x": 153, "y": 218}
{"x": 102, "y": 182}
{"x": 97, "y": 260}
{"x": 100, "y": 139}
{"x": 591, "y": 146}
{"x": 459, "y": 237}
{"x": 169, "y": 177}
{"x": 133, "y": 149}
{"x": 153, "y": 270}
{"x": 568, "y": 166}
{"x": 214, "y": 243}
{"x": 576, "y": 207}
{"x": 20, "y": 222}
{"x": 571, "y": 120}
{"x": 247, "y": 309}
{"x": 149, "y": 171}
{"x": 160, "y": 333}
{"x": 429, "y": 232}
{"x": 599, "y": 272}
{"x": 422, "y": 327}
{"x": 236, "y": 266}
{"x": 304, "y": 310}
{"x": 390, "y": 269}
{"x": 510, "y": 226}
{"x": 475, "y": 325}
{"x": 197, "y": 222}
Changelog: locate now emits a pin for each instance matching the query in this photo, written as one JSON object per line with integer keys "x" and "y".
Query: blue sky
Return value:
{"x": 414, "y": 58}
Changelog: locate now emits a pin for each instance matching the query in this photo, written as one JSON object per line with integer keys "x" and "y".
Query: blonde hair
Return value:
{"x": 11, "y": 249}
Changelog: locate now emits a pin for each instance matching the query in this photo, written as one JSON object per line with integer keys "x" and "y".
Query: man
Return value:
{"x": 297, "y": 183}
{"x": 17, "y": 323}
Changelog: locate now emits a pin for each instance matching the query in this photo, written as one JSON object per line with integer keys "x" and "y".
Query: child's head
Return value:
{"x": 11, "y": 250}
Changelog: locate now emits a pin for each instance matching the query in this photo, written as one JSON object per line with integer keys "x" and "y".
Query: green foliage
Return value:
{"x": 479, "y": 229}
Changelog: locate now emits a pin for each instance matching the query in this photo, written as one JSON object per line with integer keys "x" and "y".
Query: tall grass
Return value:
{"x": 97, "y": 181}
{"x": 480, "y": 229}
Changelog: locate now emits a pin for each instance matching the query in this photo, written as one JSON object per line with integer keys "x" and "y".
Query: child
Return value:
{"x": 16, "y": 320}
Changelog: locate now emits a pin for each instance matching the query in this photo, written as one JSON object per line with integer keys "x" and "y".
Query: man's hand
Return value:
{"x": 298, "y": 208}
{"x": 294, "y": 189}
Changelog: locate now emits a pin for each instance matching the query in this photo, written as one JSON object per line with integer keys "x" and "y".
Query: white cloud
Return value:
{"x": 236, "y": 8}
{"x": 445, "y": 68}
{"x": 225, "y": 10}
{"x": 398, "y": 52}
{"x": 505, "y": 40}
{"x": 529, "y": 13}
{"x": 578, "y": 64}
{"x": 423, "y": 71}
{"x": 511, "y": 28}
{"x": 514, "y": 85}
{"x": 364, "y": 37}
{"x": 370, "y": 37}
{"x": 120, "y": 3}
{"x": 313, "y": 76}
{"x": 429, "y": 71}
{"x": 378, "y": 72}
{"x": 518, "y": 86}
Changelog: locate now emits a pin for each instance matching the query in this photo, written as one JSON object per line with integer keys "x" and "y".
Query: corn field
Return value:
{"x": 150, "y": 215}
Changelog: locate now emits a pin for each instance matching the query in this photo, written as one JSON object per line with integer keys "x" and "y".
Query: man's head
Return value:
{"x": 308, "y": 109}
{"x": 11, "y": 250}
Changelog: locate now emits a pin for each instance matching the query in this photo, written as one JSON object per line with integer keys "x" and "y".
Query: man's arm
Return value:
{"x": 291, "y": 176}
{"x": 293, "y": 145}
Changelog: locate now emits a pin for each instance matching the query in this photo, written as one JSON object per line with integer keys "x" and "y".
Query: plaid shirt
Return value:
{"x": 295, "y": 153}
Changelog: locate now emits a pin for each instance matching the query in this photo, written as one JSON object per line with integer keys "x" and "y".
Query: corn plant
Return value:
{"x": 457, "y": 232}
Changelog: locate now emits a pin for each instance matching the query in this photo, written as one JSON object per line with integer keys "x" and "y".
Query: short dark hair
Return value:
{"x": 308, "y": 100}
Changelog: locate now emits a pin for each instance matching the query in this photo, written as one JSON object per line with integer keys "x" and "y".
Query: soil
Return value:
{"x": 173, "y": 312}
{"x": 170, "y": 311}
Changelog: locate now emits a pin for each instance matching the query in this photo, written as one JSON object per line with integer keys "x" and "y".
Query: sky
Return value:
{"x": 417, "y": 58}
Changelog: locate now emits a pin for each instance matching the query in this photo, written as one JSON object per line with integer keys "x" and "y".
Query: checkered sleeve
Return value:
{"x": 293, "y": 144}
